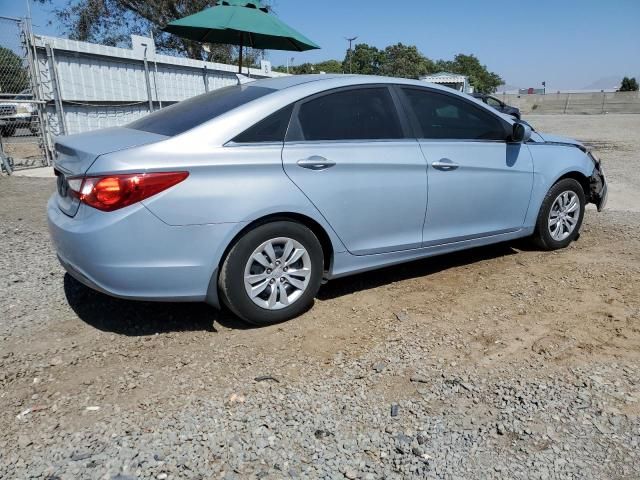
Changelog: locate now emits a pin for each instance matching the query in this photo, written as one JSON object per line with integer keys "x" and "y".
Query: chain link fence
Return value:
{"x": 23, "y": 143}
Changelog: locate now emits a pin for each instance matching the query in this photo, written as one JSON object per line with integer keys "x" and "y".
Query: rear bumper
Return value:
{"x": 132, "y": 254}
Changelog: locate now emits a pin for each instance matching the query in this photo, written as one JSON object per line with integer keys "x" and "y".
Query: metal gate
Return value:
{"x": 24, "y": 142}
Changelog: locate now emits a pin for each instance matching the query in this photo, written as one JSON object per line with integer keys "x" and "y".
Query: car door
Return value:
{"x": 351, "y": 154}
{"x": 479, "y": 184}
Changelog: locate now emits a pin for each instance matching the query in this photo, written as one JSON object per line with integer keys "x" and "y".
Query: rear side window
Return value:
{"x": 271, "y": 129}
{"x": 355, "y": 114}
{"x": 194, "y": 111}
{"x": 442, "y": 116}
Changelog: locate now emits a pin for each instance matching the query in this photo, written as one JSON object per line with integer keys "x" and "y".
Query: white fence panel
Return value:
{"x": 91, "y": 86}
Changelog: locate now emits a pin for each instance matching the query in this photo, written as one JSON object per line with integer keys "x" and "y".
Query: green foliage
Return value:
{"x": 13, "y": 75}
{"x": 111, "y": 22}
{"x": 328, "y": 66}
{"x": 629, "y": 85}
{"x": 404, "y": 61}
{"x": 364, "y": 60}
{"x": 407, "y": 61}
{"x": 480, "y": 77}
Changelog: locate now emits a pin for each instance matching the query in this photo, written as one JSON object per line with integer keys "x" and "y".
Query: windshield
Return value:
{"x": 194, "y": 111}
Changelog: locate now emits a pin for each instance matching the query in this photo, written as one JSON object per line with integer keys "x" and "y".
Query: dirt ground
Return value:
{"x": 495, "y": 311}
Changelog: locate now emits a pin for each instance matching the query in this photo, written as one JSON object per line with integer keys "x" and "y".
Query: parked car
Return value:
{"x": 255, "y": 194}
{"x": 498, "y": 104}
{"x": 14, "y": 115}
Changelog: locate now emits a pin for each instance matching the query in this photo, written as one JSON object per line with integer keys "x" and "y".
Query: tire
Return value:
{"x": 286, "y": 293}
{"x": 553, "y": 236}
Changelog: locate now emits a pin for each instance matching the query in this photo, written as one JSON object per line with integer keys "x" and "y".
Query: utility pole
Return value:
{"x": 350, "y": 40}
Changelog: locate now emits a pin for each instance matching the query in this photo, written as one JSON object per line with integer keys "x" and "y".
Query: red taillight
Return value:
{"x": 111, "y": 192}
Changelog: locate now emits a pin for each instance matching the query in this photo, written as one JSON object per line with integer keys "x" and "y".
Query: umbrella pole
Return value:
{"x": 240, "y": 57}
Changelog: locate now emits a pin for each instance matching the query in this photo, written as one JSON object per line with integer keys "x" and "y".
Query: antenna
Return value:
{"x": 350, "y": 40}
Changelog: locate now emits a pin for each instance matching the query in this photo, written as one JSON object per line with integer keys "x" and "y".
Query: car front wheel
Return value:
{"x": 272, "y": 273}
{"x": 561, "y": 215}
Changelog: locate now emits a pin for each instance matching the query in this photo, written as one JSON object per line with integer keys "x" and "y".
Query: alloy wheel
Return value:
{"x": 277, "y": 273}
{"x": 564, "y": 215}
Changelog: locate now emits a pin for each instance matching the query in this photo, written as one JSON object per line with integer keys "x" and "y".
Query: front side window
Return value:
{"x": 194, "y": 111}
{"x": 442, "y": 116}
{"x": 354, "y": 114}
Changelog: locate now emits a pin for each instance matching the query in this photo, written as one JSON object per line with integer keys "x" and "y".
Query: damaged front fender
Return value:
{"x": 598, "y": 184}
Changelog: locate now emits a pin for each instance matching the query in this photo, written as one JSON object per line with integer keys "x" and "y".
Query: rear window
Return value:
{"x": 194, "y": 111}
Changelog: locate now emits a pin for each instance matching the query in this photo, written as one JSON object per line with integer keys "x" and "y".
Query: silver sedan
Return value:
{"x": 257, "y": 193}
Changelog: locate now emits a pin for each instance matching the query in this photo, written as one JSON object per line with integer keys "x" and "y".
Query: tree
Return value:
{"x": 365, "y": 60}
{"x": 628, "y": 85}
{"x": 328, "y": 66}
{"x": 111, "y": 22}
{"x": 13, "y": 75}
{"x": 404, "y": 61}
{"x": 480, "y": 77}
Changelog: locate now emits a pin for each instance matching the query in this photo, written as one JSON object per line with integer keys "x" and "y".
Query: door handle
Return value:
{"x": 315, "y": 162}
{"x": 445, "y": 165}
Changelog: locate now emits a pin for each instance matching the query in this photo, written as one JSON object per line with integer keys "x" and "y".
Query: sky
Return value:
{"x": 567, "y": 43}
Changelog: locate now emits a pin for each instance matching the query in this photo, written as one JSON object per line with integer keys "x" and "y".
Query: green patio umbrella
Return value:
{"x": 243, "y": 23}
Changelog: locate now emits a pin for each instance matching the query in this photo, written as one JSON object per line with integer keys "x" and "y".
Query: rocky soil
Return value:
{"x": 500, "y": 362}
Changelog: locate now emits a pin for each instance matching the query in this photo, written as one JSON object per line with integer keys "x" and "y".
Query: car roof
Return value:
{"x": 338, "y": 80}
{"x": 305, "y": 85}
{"x": 289, "y": 89}
{"x": 280, "y": 83}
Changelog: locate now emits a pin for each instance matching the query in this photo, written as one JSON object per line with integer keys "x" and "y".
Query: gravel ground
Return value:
{"x": 500, "y": 362}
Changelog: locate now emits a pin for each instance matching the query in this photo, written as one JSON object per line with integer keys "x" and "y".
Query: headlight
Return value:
{"x": 24, "y": 109}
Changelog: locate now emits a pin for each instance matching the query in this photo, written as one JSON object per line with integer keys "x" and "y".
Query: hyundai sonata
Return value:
{"x": 257, "y": 193}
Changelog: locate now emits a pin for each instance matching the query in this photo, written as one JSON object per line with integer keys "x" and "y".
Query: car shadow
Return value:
{"x": 418, "y": 268}
{"x": 138, "y": 318}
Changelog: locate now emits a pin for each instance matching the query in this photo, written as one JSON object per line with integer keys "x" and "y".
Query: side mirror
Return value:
{"x": 521, "y": 132}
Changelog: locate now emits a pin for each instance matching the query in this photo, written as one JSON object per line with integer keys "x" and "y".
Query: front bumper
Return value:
{"x": 132, "y": 254}
{"x": 598, "y": 184}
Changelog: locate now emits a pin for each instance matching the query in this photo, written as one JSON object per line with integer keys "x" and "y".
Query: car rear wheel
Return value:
{"x": 272, "y": 273}
{"x": 560, "y": 216}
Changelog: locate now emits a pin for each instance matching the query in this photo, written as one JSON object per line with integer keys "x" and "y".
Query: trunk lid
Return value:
{"x": 75, "y": 154}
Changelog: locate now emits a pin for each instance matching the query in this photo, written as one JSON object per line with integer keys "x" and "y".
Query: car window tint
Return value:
{"x": 271, "y": 129}
{"x": 355, "y": 114}
{"x": 195, "y": 111}
{"x": 442, "y": 116}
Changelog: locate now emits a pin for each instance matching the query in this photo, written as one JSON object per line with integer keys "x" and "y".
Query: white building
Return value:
{"x": 451, "y": 80}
